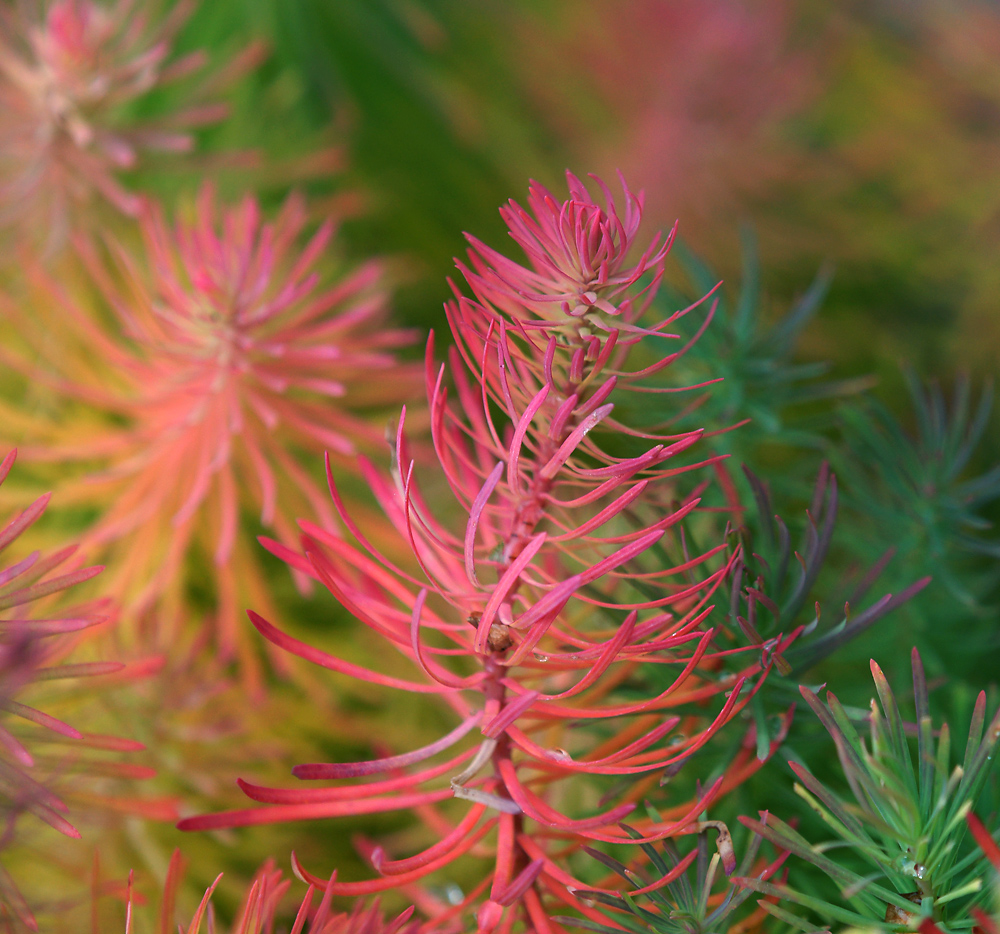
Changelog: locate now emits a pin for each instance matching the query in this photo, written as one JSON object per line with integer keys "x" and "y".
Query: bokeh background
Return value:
{"x": 859, "y": 133}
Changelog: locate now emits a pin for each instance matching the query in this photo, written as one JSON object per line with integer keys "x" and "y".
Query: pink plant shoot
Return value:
{"x": 67, "y": 70}
{"x": 568, "y": 572}
{"x": 224, "y": 351}
{"x": 32, "y": 651}
{"x": 577, "y": 253}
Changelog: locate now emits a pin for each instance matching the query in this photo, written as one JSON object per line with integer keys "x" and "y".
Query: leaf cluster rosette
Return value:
{"x": 71, "y": 73}
{"x": 906, "y": 824}
{"x": 570, "y": 572}
{"x": 200, "y": 369}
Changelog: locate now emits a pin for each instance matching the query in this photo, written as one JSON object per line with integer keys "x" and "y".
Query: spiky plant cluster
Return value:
{"x": 570, "y": 571}
{"x": 261, "y": 908}
{"x": 70, "y": 71}
{"x": 688, "y": 895}
{"x": 907, "y": 821}
{"x": 561, "y": 583}
{"x": 761, "y": 385}
{"x": 217, "y": 351}
{"x": 778, "y": 575}
{"x": 916, "y": 482}
{"x": 185, "y": 361}
{"x": 987, "y": 921}
{"x": 42, "y": 758}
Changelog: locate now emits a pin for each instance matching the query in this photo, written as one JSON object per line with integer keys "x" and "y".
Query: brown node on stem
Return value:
{"x": 896, "y": 915}
{"x": 498, "y": 639}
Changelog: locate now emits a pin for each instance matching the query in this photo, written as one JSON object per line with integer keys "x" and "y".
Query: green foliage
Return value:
{"x": 905, "y": 827}
{"x": 771, "y": 586}
{"x": 915, "y": 486}
{"x": 679, "y": 896}
{"x": 759, "y": 382}
{"x": 782, "y": 577}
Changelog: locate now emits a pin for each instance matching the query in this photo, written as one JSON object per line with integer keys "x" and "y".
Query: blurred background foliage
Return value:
{"x": 860, "y": 134}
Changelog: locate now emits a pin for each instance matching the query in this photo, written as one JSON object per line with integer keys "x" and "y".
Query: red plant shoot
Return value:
{"x": 569, "y": 573}
{"x": 260, "y": 909}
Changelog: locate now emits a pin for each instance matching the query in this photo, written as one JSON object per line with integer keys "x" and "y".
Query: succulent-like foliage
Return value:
{"x": 223, "y": 352}
{"x": 569, "y": 572}
{"x": 906, "y": 824}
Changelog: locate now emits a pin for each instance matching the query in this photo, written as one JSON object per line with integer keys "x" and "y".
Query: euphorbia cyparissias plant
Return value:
{"x": 907, "y": 820}
{"x": 226, "y": 349}
{"x": 33, "y": 652}
{"x": 260, "y": 908}
{"x": 69, "y": 71}
{"x": 570, "y": 571}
